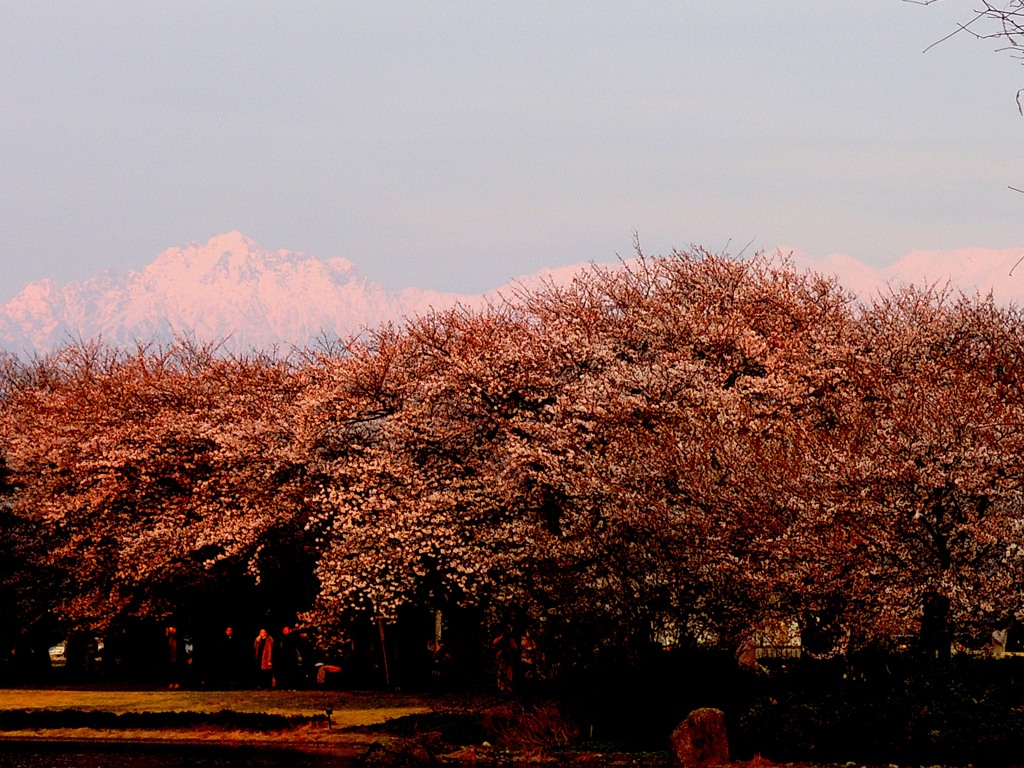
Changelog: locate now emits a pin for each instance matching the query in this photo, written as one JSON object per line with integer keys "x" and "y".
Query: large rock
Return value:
{"x": 700, "y": 740}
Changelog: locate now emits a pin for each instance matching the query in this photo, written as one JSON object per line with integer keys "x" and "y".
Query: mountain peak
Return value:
{"x": 231, "y": 242}
{"x": 232, "y": 249}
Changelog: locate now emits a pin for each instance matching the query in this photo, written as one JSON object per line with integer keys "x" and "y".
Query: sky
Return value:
{"x": 455, "y": 145}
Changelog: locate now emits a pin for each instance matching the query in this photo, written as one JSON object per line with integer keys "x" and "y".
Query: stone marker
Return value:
{"x": 700, "y": 740}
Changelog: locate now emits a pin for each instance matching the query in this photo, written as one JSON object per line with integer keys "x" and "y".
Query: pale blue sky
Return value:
{"x": 455, "y": 145}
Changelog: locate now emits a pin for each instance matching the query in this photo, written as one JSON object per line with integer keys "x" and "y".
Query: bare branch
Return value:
{"x": 1010, "y": 20}
{"x": 959, "y": 28}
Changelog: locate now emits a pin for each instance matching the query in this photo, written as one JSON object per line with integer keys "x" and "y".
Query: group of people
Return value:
{"x": 233, "y": 663}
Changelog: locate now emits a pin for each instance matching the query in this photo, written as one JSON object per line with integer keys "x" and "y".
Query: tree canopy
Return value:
{"x": 686, "y": 448}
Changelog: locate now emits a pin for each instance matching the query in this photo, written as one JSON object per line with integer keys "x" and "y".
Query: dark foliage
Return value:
{"x": 896, "y": 710}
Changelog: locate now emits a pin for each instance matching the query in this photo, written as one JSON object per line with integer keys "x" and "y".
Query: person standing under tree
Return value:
{"x": 231, "y": 670}
{"x": 263, "y": 650}
{"x": 506, "y": 657}
{"x": 289, "y": 661}
{"x": 173, "y": 659}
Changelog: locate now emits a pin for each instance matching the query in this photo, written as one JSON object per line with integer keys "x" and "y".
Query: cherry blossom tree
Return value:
{"x": 150, "y": 472}
{"x": 913, "y": 518}
{"x": 581, "y": 456}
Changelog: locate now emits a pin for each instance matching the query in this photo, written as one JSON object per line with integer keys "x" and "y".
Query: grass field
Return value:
{"x": 349, "y": 709}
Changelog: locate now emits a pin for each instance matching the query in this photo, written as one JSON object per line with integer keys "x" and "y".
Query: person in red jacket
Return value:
{"x": 263, "y": 650}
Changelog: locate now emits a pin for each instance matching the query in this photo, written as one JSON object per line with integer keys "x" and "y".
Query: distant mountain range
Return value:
{"x": 970, "y": 270}
{"x": 226, "y": 291}
{"x": 230, "y": 292}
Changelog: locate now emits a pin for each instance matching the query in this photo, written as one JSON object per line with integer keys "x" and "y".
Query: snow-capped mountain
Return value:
{"x": 230, "y": 292}
{"x": 999, "y": 271}
{"x": 225, "y": 291}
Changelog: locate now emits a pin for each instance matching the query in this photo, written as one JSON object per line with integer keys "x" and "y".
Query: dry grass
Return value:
{"x": 532, "y": 728}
